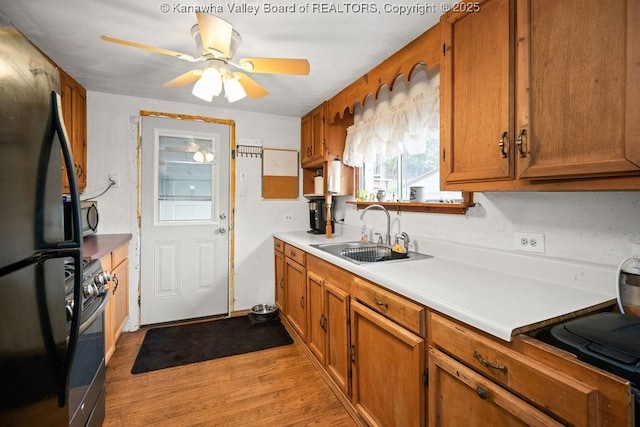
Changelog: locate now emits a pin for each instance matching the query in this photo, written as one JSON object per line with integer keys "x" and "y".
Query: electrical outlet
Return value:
{"x": 113, "y": 177}
{"x": 530, "y": 242}
{"x": 289, "y": 217}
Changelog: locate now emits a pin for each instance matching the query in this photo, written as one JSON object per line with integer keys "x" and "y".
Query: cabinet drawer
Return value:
{"x": 402, "y": 311}
{"x": 278, "y": 245}
{"x": 571, "y": 400}
{"x": 119, "y": 255}
{"x": 340, "y": 278}
{"x": 294, "y": 253}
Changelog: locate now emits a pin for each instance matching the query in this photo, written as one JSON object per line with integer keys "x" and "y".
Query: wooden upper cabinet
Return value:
{"x": 322, "y": 137}
{"x": 476, "y": 95}
{"x": 74, "y": 114}
{"x": 313, "y": 137}
{"x": 541, "y": 95}
{"x": 579, "y": 88}
{"x": 305, "y": 139}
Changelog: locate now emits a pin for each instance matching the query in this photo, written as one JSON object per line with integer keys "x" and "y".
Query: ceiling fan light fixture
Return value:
{"x": 209, "y": 84}
{"x": 199, "y": 156}
{"x": 233, "y": 89}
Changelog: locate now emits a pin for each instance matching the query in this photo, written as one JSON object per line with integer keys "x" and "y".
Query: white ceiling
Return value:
{"x": 339, "y": 46}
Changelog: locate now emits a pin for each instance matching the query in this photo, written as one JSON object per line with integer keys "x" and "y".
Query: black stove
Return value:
{"x": 94, "y": 285}
{"x": 86, "y": 382}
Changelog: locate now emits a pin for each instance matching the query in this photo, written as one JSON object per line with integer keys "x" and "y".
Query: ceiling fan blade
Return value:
{"x": 215, "y": 33}
{"x": 276, "y": 65}
{"x": 186, "y": 78}
{"x": 160, "y": 50}
{"x": 250, "y": 86}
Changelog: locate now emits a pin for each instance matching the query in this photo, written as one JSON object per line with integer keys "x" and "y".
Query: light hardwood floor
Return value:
{"x": 275, "y": 387}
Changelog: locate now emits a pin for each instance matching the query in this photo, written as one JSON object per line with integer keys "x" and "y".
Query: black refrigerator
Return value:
{"x": 36, "y": 340}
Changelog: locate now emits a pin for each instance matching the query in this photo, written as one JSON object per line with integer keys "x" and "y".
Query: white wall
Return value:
{"x": 594, "y": 227}
{"x": 111, "y": 139}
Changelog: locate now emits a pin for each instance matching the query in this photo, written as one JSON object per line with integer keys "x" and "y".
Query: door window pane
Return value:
{"x": 186, "y": 172}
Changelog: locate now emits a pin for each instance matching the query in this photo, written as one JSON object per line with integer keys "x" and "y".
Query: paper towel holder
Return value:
{"x": 334, "y": 176}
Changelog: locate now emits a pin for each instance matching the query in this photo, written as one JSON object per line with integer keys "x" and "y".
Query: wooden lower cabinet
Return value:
{"x": 458, "y": 396}
{"x": 388, "y": 370}
{"x": 109, "y": 335}
{"x": 336, "y": 326}
{"x": 328, "y": 328}
{"x": 120, "y": 295}
{"x": 476, "y": 379}
{"x": 376, "y": 346}
{"x": 316, "y": 322}
{"x": 281, "y": 293}
{"x": 116, "y": 312}
{"x": 296, "y": 288}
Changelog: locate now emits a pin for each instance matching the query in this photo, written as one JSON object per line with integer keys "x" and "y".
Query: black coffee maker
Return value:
{"x": 318, "y": 216}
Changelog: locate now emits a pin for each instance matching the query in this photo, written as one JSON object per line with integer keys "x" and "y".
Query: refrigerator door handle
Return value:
{"x": 58, "y": 122}
{"x": 74, "y": 333}
{"x": 62, "y": 368}
{"x": 74, "y": 246}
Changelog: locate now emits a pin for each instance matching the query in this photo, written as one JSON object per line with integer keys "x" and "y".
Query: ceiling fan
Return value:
{"x": 217, "y": 42}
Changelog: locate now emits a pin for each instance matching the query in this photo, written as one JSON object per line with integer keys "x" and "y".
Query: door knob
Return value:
{"x": 222, "y": 230}
{"x": 223, "y": 216}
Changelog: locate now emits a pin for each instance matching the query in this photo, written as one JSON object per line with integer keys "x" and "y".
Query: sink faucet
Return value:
{"x": 382, "y": 208}
{"x": 405, "y": 239}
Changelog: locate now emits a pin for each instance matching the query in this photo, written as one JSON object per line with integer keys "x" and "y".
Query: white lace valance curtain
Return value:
{"x": 405, "y": 121}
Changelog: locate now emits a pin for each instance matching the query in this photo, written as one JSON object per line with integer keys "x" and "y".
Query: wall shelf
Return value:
{"x": 450, "y": 208}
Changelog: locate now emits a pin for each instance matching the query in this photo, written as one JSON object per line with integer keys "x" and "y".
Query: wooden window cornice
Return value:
{"x": 425, "y": 49}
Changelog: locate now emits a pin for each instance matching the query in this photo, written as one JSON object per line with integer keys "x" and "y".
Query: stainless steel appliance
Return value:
{"x": 86, "y": 384}
{"x": 88, "y": 216}
{"x": 37, "y": 346}
{"x": 318, "y": 216}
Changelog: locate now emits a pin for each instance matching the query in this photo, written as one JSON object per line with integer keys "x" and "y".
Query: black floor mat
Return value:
{"x": 196, "y": 342}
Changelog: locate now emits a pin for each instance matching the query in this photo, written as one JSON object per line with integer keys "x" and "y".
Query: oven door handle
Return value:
{"x": 98, "y": 311}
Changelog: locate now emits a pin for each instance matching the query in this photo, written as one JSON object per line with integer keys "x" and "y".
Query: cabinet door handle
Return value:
{"x": 482, "y": 392}
{"x": 114, "y": 279}
{"x": 282, "y": 283}
{"x": 488, "y": 364}
{"x": 292, "y": 253}
{"x": 302, "y": 301}
{"x": 504, "y": 144}
{"x": 380, "y": 303}
{"x": 323, "y": 322}
{"x": 519, "y": 143}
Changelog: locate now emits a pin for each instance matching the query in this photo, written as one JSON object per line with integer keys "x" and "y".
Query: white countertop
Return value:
{"x": 500, "y": 293}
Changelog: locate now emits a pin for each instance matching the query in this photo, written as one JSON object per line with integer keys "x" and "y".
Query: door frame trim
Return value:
{"x": 232, "y": 189}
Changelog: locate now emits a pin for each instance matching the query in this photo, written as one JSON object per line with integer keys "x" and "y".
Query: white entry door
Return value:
{"x": 185, "y": 182}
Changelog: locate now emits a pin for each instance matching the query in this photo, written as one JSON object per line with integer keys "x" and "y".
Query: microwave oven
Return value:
{"x": 88, "y": 215}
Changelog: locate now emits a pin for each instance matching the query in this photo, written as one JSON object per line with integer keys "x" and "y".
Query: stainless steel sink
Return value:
{"x": 367, "y": 252}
